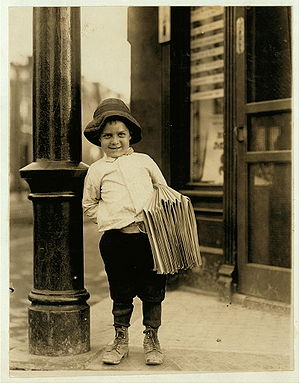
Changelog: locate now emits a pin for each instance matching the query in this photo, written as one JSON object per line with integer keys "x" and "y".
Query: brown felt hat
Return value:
{"x": 109, "y": 109}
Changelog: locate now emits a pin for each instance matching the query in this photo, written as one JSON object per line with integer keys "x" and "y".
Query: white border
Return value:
{"x": 40, "y": 377}
{"x": 93, "y": 3}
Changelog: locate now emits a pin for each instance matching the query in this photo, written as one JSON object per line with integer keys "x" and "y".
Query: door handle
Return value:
{"x": 239, "y": 132}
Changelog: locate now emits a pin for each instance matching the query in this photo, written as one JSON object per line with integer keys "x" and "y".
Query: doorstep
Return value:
{"x": 246, "y": 301}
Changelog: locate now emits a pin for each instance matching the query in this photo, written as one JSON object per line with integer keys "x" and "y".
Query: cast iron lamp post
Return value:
{"x": 59, "y": 315}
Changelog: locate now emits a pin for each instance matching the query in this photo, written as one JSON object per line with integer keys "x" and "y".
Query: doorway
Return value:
{"x": 263, "y": 133}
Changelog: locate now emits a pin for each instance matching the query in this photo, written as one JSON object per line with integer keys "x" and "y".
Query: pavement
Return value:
{"x": 199, "y": 334}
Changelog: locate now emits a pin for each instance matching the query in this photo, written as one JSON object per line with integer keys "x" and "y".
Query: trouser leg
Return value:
{"x": 151, "y": 314}
{"x": 119, "y": 269}
{"x": 122, "y": 313}
{"x": 129, "y": 266}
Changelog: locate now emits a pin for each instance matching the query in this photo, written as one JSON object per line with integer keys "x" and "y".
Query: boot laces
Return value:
{"x": 151, "y": 340}
{"x": 119, "y": 340}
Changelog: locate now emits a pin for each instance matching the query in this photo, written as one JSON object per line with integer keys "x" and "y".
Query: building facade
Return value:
{"x": 21, "y": 121}
{"x": 212, "y": 89}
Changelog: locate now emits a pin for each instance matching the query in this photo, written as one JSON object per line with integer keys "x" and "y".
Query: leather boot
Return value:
{"x": 119, "y": 349}
{"x": 153, "y": 353}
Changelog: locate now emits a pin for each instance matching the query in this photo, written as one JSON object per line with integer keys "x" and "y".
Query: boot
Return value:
{"x": 119, "y": 349}
{"x": 153, "y": 354}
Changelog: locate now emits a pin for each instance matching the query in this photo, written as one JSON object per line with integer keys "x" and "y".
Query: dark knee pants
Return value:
{"x": 129, "y": 266}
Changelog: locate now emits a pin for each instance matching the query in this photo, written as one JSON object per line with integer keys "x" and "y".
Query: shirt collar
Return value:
{"x": 112, "y": 159}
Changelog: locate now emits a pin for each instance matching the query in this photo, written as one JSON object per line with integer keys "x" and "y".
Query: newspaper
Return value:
{"x": 172, "y": 230}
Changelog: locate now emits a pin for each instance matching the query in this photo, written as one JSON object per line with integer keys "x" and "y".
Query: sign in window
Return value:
{"x": 207, "y": 94}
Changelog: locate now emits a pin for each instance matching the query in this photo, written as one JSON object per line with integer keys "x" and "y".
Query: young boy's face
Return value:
{"x": 115, "y": 139}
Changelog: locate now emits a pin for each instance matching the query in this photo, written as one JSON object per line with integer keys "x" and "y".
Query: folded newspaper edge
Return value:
{"x": 172, "y": 231}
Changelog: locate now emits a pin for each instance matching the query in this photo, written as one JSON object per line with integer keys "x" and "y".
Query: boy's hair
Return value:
{"x": 115, "y": 119}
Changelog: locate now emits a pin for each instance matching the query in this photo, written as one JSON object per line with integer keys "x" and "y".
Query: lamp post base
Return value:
{"x": 59, "y": 330}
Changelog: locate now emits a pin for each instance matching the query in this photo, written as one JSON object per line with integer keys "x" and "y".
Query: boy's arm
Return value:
{"x": 156, "y": 174}
{"x": 91, "y": 196}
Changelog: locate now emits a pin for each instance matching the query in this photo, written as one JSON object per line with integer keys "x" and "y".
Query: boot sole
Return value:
{"x": 153, "y": 364}
{"x": 115, "y": 363}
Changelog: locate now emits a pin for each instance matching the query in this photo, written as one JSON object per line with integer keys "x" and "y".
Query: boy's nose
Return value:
{"x": 115, "y": 140}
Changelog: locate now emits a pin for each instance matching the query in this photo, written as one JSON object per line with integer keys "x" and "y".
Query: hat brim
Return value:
{"x": 94, "y": 128}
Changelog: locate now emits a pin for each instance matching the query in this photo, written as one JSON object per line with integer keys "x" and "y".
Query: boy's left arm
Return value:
{"x": 156, "y": 174}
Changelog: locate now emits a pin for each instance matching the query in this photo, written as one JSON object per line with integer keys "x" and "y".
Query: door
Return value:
{"x": 263, "y": 133}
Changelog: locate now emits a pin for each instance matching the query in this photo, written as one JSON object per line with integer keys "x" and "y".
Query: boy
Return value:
{"x": 117, "y": 188}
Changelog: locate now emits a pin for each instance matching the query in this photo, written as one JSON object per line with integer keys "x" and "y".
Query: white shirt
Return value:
{"x": 117, "y": 189}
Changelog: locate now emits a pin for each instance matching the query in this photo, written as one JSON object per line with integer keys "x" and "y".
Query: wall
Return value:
{"x": 146, "y": 79}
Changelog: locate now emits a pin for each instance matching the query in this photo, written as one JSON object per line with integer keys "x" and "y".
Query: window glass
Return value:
{"x": 207, "y": 94}
{"x": 268, "y": 53}
{"x": 269, "y": 241}
{"x": 270, "y": 132}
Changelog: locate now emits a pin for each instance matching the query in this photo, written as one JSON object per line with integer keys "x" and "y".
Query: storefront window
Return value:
{"x": 207, "y": 94}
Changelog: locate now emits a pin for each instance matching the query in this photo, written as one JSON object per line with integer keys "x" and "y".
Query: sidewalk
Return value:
{"x": 20, "y": 208}
{"x": 198, "y": 334}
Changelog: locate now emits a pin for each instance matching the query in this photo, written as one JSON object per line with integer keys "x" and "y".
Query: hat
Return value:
{"x": 107, "y": 110}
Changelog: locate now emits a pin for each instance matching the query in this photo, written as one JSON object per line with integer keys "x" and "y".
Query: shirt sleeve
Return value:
{"x": 156, "y": 174}
{"x": 91, "y": 195}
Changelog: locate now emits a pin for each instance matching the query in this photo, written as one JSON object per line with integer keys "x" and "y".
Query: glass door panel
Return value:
{"x": 268, "y": 53}
{"x": 269, "y": 214}
{"x": 270, "y": 132}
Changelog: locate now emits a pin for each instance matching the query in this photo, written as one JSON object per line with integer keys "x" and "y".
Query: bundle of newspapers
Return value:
{"x": 172, "y": 230}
